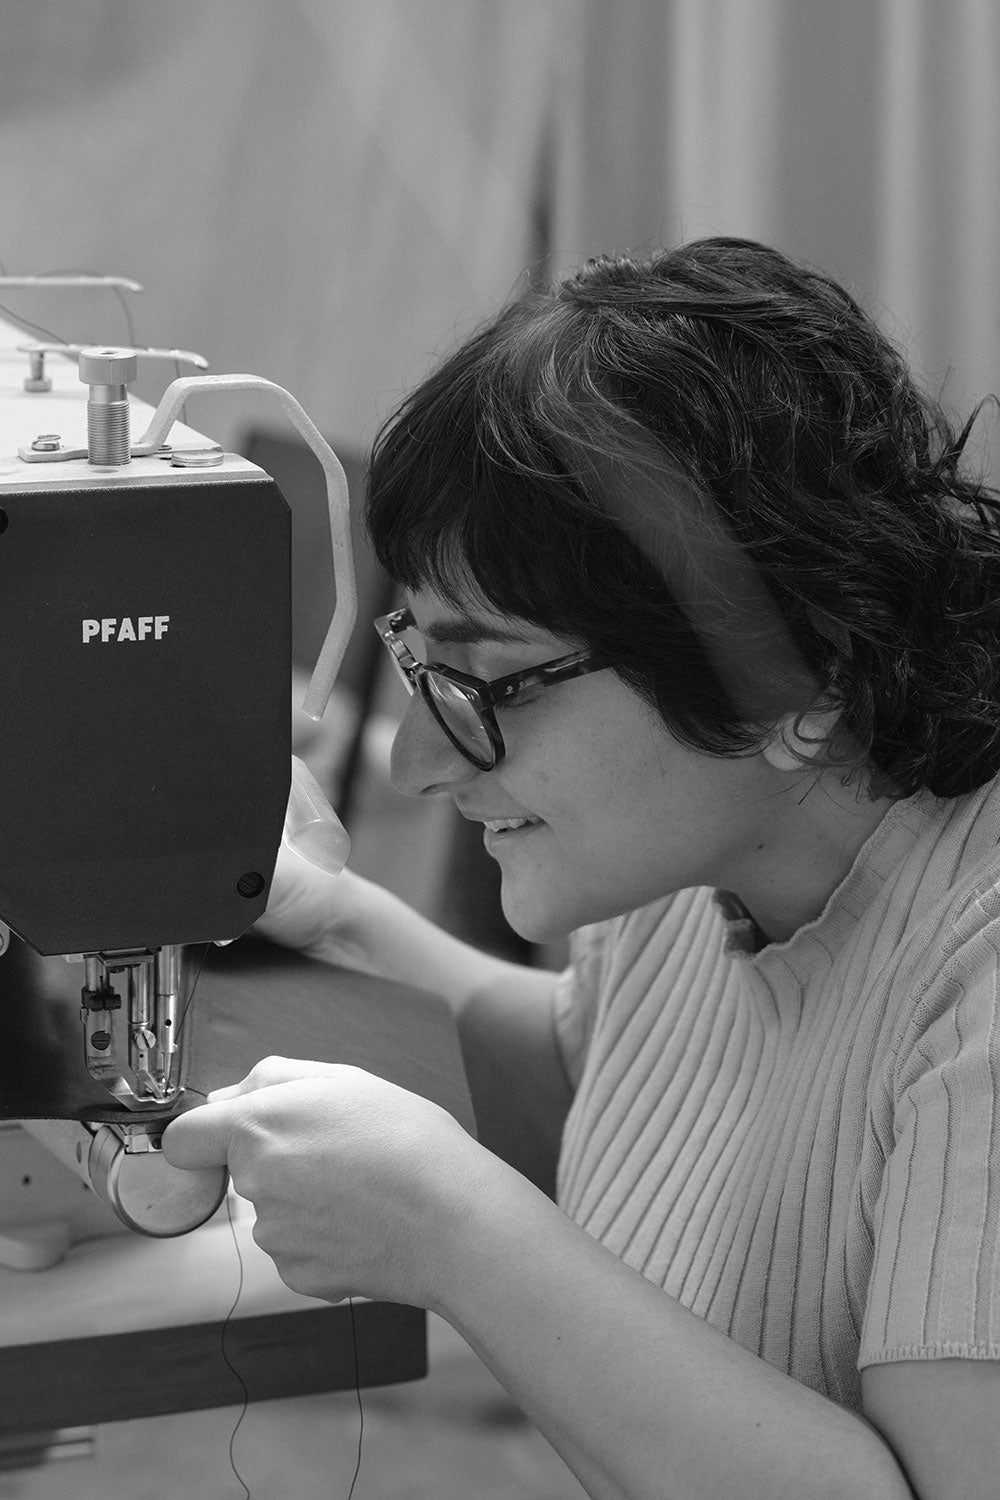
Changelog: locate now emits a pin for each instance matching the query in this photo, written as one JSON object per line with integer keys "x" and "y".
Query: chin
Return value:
{"x": 549, "y": 914}
{"x": 535, "y": 923}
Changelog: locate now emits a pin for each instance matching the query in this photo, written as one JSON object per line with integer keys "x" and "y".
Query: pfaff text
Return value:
{"x": 144, "y": 627}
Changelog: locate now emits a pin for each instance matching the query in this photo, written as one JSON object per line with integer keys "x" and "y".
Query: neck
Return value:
{"x": 809, "y": 835}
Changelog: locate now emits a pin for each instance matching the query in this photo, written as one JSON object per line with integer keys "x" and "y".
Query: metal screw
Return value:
{"x": 46, "y": 442}
{"x": 37, "y": 380}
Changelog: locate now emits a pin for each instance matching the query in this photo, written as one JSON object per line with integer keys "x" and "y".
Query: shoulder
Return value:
{"x": 935, "y": 1237}
{"x": 933, "y": 916}
{"x": 956, "y": 842}
{"x": 951, "y": 955}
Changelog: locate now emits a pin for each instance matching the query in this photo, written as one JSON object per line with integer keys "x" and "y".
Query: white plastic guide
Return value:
{"x": 338, "y": 503}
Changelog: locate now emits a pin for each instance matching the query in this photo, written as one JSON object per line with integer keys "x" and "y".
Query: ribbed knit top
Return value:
{"x": 802, "y": 1143}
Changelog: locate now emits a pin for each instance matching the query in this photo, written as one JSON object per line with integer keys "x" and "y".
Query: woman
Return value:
{"x": 712, "y": 615}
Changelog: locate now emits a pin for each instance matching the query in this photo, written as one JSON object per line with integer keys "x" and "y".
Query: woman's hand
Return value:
{"x": 358, "y": 1184}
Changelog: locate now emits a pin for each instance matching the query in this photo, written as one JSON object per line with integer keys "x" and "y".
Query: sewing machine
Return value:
{"x": 145, "y": 744}
{"x": 147, "y": 785}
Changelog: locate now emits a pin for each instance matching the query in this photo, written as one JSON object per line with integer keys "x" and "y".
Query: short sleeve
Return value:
{"x": 578, "y": 990}
{"x": 934, "y": 1292}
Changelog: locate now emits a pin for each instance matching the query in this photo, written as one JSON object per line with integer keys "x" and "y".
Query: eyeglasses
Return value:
{"x": 465, "y": 706}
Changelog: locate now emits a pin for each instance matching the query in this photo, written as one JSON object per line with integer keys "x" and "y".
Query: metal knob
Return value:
{"x": 108, "y": 372}
{"x": 139, "y": 1184}
{"x": 147, "y": 1193}
{"x": 117, "y": 367}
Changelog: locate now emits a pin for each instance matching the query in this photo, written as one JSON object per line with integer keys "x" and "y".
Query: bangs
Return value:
{"x": 467, "y": 495}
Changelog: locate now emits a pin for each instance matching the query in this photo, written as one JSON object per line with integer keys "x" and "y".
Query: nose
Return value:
{"x": 423, "y": 759}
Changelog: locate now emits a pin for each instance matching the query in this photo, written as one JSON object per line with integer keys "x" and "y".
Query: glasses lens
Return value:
{"x": 459, "y": 716}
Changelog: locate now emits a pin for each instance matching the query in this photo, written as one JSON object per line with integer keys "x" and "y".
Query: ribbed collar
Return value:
{"x": 879, "y": 857}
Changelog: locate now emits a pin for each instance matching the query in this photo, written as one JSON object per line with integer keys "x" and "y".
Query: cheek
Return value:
{"x": 593, "y": 773}
{"x": 595, "y": 808}
{"x": 616, "y": 784}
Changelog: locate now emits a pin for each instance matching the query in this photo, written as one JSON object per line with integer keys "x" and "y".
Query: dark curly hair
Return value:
{"x": 712, "y": 467}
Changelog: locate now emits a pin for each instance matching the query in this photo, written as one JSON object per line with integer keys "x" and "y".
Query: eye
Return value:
{"x": 424, "y": 649}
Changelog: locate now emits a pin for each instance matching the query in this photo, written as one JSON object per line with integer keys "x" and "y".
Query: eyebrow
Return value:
{"x": 468, "y": 630}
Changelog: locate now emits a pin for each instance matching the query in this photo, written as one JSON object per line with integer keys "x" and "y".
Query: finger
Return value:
{"x": 232, "y": 1091}
{"x": 272, "y": 1070}
{"x": 201, "y": 1137}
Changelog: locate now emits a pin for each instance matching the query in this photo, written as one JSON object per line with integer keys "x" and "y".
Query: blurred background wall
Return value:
{"x": 331, "y": 193}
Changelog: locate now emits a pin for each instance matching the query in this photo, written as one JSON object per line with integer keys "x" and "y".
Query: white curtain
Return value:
{"x": 860, "y": 135}
{"x": 330, "y": 192}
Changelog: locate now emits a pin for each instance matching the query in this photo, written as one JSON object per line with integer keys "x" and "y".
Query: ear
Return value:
{"x": 798, "y": 738}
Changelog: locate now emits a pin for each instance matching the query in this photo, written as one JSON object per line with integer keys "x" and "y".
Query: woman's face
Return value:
{"x": 612, "y": 811}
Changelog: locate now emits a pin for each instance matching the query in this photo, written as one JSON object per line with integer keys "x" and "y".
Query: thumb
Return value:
{"x": 200, "y": 1137}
